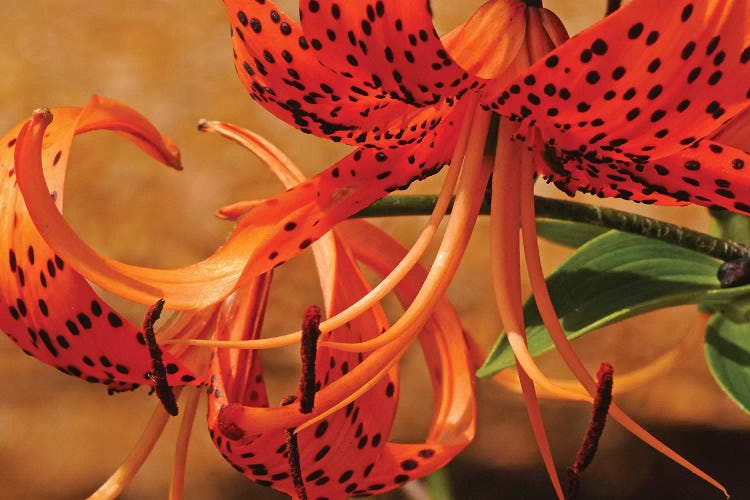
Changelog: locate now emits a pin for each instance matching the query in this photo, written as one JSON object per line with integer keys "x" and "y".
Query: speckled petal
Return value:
{"x": 48, "y": 309}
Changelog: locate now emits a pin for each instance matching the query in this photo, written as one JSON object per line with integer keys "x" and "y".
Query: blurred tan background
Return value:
{"x": 60, "y": 437}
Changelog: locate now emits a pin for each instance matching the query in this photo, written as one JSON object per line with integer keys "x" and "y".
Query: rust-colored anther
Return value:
{"x": 613, "y": 5}
{"x": 292, "y": 449}
{"x": 308, "y": 353}
{"x": 158, "y": 371}
{"x": 590, "y": 443}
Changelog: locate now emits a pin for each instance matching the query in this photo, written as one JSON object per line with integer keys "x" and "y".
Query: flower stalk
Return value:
{"x": 611, "y": 218}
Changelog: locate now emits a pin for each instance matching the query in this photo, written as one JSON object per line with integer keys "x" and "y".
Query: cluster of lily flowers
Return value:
{"x": 649, "y": 105}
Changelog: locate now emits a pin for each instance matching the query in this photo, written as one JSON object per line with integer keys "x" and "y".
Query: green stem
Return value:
{"x": 547, "y": 208}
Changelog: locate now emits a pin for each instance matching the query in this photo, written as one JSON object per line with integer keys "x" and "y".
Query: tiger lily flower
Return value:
{"x": 343, "y": 442}
{"x": 378, "y": 77}
{"x": 632, "y": 108}
{"x": 358, "y": 392}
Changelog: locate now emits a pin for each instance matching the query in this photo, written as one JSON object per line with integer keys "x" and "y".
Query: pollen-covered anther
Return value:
{"x": 590, "y": 443}
{"x": 308, "y": 353}
{"x": 158, "y": 372}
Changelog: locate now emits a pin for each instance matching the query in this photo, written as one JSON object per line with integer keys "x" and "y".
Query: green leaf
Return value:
{"x": 613, "y": 277}
{"x": 438, "y": 485}
{"x": 567, "y": 233}
{"x": 728, "y": 354}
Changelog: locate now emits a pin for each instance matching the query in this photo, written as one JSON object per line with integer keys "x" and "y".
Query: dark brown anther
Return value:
{"x": 613, "y": 5}
{"x": 534, "y": 3}
{"x": 158, "y": 371}
{"x": 734, "y": 273}
{"x": 590, "y": 443}
{"x": 308, "y": 353}
{"x": 292, "y": 448}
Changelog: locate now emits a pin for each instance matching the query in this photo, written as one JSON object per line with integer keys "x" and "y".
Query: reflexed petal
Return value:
{"x": 643, "y": 84}
{"x": 264, "y": 238}
{"x": 48, "y": 309}
{"x": 736, "y": 132}
{"x": 706, "y": 173}
{"x": 282, "y": 72}
{"x": 349, "y": 439}
{"x": 307, "y": 211}
{"x": 446, "y": 353}
{"x": 349, "y": 448}
{"x": 390, "y": 48}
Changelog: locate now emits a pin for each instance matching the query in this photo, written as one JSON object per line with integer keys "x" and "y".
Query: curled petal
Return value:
{"x": 280, "y": 70}
{"x": 262, "y": 240}
{"x": 373, "y": 466}
{"x": 387, "y": 49}
{"x": 643, "y": 85}
{"x": 48, "y": 308}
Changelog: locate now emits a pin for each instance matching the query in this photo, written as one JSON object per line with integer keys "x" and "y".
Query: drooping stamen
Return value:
{"x": 397, "y": 339}
{"x": 469, "y": 196}
{"x": 506, "y": 279}
{"x": 177, "y": 482}
{"x": 308, "y": 350}
{"x": 626, "y": 382}
{"x": 125, "y": 473}
{"x": 590, "y": 442}
{"x": 285, "y": 169}
{"x": 158, "y": 370}
{"x": 563, "y": 345}
{"x": 292, "y": 450}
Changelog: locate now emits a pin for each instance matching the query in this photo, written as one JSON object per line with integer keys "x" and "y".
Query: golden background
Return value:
{"x": 60, "y": 437}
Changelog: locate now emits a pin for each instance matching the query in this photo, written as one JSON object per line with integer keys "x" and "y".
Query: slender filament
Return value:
{"x": 117, "y": 482}
{"x": 177, "y": 483}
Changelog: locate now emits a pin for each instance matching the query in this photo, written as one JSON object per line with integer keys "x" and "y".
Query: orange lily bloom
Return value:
{"x": 343, "y": 442}
{"x": 378, "y": 77}
{"x": 90, "y": 340}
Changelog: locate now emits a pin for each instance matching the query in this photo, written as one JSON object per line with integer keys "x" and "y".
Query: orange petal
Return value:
{"x": 638, "y": 90}
{"x": 48, "y": 308}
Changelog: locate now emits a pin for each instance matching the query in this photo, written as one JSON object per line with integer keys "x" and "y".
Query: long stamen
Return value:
{"x": 395, "y": 340}
{"x": 158, "y": 371}
{"x": 590, "y": 442}
{"x": 557, "y": 334}
{"x": 506, "y": 279}
{"x": 177, "y": 483}
{"x": 388, "y": 283}
{"x": 125, "y": 473}
{"x": 308, "y": 353}
{"x": 469, "y": 196}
